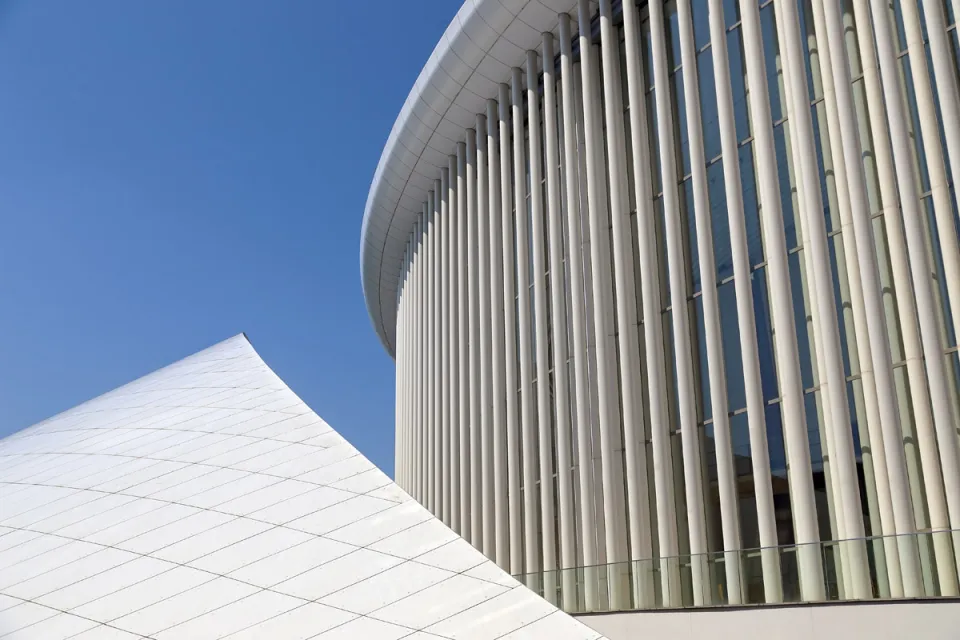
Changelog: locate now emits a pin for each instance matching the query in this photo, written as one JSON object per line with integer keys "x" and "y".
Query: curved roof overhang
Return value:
{"x": 475, "y": 54}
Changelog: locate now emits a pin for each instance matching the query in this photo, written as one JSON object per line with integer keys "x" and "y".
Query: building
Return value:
{"x": 673, "y": 289}
{"x": 206, "y": 500}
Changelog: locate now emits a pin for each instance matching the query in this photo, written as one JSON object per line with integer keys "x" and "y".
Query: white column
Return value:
{"x": 443, "y": 440}
{"x": 398, "y": 380}
{"x": 463, "y": 343}
{"x": 431, "y": 352}
{"x": 604, "y": 325}
{"x": 558, "y": 336}
{"x": 626, "y": 318}
{"x": 513, "y": 553}
{"x": 942, "y": 205}
{"x": 828, "y": 339}
{"x": 495, "y": 504}
{"x": 453, "y": 344}
{"x": 417, "y": 435}
{"x": 437, "y": 349}
{"x": 848, "y": 271}
{"x": 483, "y": 435}
{"x": 528, "y": 415}
{"x": 945, "y": 73}
{"x": 726, "y": 474}
{"x": 781, "y": 302}
{"x": 895, "y": 478}
{"x": 650, "y": 297}
{"x": 693, "y": 482}
{"x": 891, "y": 464}
{"x": 578, "y": 320}
{"x": 548, "y": 515}
{"x": 473, "y": 306}
{"x": 920, "y": 267}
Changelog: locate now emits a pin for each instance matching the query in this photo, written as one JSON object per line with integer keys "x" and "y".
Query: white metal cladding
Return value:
{"x": 721, "y": 284}
{"x": 485, "y": 39}
{"x": 206, "y": 500}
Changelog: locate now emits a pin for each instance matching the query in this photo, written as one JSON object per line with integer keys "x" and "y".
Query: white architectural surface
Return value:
{"x": 206, "y": 500}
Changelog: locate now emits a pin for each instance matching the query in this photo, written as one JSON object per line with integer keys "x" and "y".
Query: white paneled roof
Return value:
{"x": 206, "y": 500}
{"x": 485, "y": 40}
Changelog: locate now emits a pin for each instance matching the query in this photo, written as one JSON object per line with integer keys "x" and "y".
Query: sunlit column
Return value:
{"x": 528, "y": 414}
{"x": 781, "y": 302}
{"x": 919, "y": 262}
{"x": 726, "y": 474}
{"x": 418, "y": 359}
{"x": 945, "y": 73}
{"x": 895, "y": 479}
{"x": 578, "y": 320}
{"x": 693, "y": 482}
{"x": 398, "y": 382}
{"x": 635, "y": 460}
{"x": 650, "y": 290}
{"x": 453, "y": 342}
{"x": 443, "y": 436}
{"x": 495, "y": 525}
{"x": 430, "y": 349}
{"x": 837, "y": 417}
{"x": 511, "y": 448}
{"x": 463, "y": 343}
{"x": 482, "y": 433}
{"x": 473, "y": 324}
{"x": 558, "y": 315}
{"x": 548, "y": 512}
{"x": 909, "y": 329}
{"x": 949, "y": 242}
{"x": 603, "y": 307}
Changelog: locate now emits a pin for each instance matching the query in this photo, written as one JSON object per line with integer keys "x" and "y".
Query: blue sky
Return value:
{"x": 173, "y": 173}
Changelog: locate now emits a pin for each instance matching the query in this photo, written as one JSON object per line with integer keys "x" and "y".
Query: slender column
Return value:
{"x": 848, "y": 271}
{"x": 453, "y": 342}
{"x": 919, "y": 263}
{"x": 626, "y": 316}
{"x": 437, "y": 348}
{"x": 548, "y": 514}
{"x": 614, "y": 503}
{"x": 726, "y": 475}
{"x": 418, "y": 388}
{"x": 558, "y": 337}
{"x": 483, "y": 434}
{"x": 473, "y": 306}
{"x": 442, "y": 187}
{"x": 650, "y": 294}
{"x": 512, "y": 446}
{"x": 909, "y": 329}
{"x": 495, "y": 538}
{"x": 464, "y": 341}
{"x": 528, "y": 415}
{"x": 945, "y": 73}
{"x": 693, "y": 483}
{"x": 788, "y": 361}
{"x": 398, "y": 381}
{"x": 895, "y": 465}
{"x": 942, "y": 202}
{"x": 828, "y": 340}
{"x": 431, "y": 354}
{"x": 889, "y": 466}
{"x": 578, "y": 319}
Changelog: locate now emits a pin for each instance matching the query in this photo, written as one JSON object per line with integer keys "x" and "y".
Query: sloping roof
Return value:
{"x": 475, "y": 54}
{"x": 206, "y": 500}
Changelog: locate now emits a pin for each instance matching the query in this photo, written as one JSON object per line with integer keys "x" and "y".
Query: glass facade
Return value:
{"x": 788, "y": 423}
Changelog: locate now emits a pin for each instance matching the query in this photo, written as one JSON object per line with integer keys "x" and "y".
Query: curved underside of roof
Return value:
{"x": 483, "y": 42}
{"x": 206, "y": 500}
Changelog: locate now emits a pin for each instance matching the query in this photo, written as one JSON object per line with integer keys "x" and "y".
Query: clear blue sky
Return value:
{"x": 175, "y": 172}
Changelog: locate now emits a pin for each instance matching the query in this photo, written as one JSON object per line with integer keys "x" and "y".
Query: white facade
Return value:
{"x": 206, "y": 500}
{"x": 685, "y": 278}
